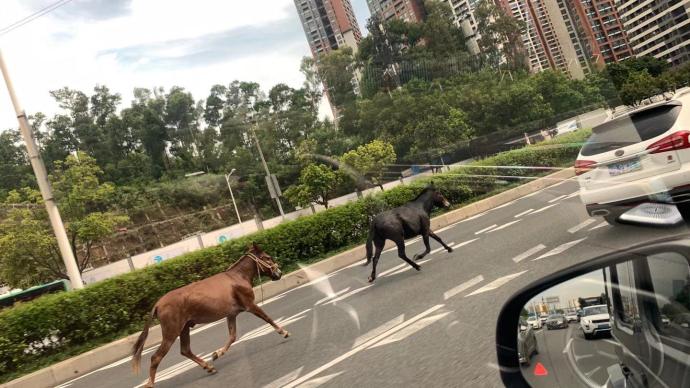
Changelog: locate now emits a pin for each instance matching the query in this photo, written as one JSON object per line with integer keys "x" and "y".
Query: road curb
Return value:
{"x": 97, "y": 358}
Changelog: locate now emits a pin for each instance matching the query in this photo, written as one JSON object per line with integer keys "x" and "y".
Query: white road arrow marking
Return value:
{"x": 582, "y": 225}
{"x": 496, "y": 283}
{"x": 285, "y": 379}
{"x": 410, "y": 330}
{"x": 529, "y": 253}
{"x": 313, "y": 383}
{"x": 462, "y": 287}
{"x": 560, "y": 249}
{"x": 601, "y": 225}
{"x": 379, "y": 330}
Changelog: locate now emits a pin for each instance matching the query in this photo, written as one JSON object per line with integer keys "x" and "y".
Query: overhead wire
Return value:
{"x": 28, "y": 19}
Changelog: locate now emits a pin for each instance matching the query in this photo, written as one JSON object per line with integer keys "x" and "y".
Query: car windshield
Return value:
{"x": 328, "y": 192}
{"x": 596, "y": 310}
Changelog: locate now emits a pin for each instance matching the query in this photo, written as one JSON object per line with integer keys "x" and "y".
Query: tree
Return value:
{"x": 336, "y": 69}
{"x": 441, "y": 36}
{"x": 500, "y": 36}
{"x": 316, "y": 184}
{"x": 371, "y": 160}
{"x": 639, "y": 85}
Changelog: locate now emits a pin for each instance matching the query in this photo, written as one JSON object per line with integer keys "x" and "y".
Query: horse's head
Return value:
{"x": 437, "y": 197}
{"x": 266, "y": 264}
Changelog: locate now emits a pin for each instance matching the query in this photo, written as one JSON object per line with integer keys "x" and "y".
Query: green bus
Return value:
{"x": 8, "y": 300}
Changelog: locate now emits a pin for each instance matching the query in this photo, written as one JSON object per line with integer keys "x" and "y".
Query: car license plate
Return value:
{"x": 625, "y": 167}
{"x": 604, "y": 326}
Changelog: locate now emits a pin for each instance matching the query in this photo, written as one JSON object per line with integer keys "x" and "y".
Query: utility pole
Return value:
{"x": 269, "y": 178}
{"x": 43, "y": 184}
{"x": 227, "y": 180}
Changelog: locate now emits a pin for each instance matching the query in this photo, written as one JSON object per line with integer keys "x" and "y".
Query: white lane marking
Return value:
{"x": 607, "y": 354}
{"x": 462, "y": 244}
{"x": 560, "y": 249}
{"x": 523, "y": 213}
{"x": 361, "y": 347}
{"x": 462, "y": 287}
{"x": 410, "y": 330}
{"x": 529, "y": 253}
{"x": 504, "y": 205}
{"x": 575, "y": 194}
{"x": 612, "y": 342}
{"x": 601, "y": 225}
{"x": 593, "y": 371}
{"x": 337, "y": 294}
{"x": 474, "y": 217}
{"x": 437, "y": 250}
{"x": 267, "y": 329}
{"x": 558, "y": 198}
{"x": 567, "y": 346}
{"x": 496, "y": 283}
{"x": 378, "y": 330}
{"x": 285, "y": 379}
{"x": 414, "y": 240}
{"x": 407, "y": 267}
{"x": 544, "y": 208}
{"x": 504, "y": 226}
{"x": 486, "y": 229}
{"x": 582, "y": 225}
{"x": 451, "y": 226}
{"x": 391, "y": 270}
{"x": 349, "y": 294}
{"x": 319, "y": 381}
{"x": 578, "y": 358}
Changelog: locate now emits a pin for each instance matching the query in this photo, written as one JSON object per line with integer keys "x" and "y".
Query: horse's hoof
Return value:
{"x": 149, "y": 385}
{"x": 215, "y": 356}
{"x": 418, "y": 268}
{"x": 371, "y": 279}
{"x": 285, "y": 334}
{"x": 212, "y": 371}
{"x": 450, "y": 250}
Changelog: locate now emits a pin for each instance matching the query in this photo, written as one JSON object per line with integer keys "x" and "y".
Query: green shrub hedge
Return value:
{"x": 34, "y": 333}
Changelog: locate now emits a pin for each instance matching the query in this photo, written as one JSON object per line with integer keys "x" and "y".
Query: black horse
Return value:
{"x": 404, "y": 222}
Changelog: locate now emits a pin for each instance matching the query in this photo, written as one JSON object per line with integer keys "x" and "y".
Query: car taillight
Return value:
{"x": 675, "y": 141}
{"x": 583, "y": 166}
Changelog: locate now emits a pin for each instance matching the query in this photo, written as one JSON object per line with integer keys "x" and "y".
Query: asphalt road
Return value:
{"x": 569, "y": 359}
{"x": 434, "y": 327}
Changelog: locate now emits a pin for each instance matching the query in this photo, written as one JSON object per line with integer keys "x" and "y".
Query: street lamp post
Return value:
{"x": 44, "y": 185}
{"x": 227, "y": 180}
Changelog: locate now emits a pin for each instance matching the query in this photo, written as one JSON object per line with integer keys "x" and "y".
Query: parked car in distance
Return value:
{"x": 542, "y": 318}
{"x": 534, "y": 321}
{"x": 571, "y": 316}
{"x": 595, "y": 320}
{"x": 635, "y": 167}
{"x": 527, "y": 342}
{"x": 556, "y": 321}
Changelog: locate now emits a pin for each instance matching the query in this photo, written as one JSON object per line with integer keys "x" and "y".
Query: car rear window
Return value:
{"x": 632, "y": 129}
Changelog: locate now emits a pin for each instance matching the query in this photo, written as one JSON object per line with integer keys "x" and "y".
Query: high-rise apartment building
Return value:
{"x": 463, "y": 16}
{"x": 549, "y": 36}
{"x": 407, "y": 10}
{"x": 659, "y": 28}
{"x": 328, "y": 24}
{"x": 600, "y": 30}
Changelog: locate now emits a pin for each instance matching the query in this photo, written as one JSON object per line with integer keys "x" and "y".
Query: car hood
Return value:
{"x": 596, "y": 317}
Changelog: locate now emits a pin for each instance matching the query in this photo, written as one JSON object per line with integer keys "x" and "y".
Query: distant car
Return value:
{"x": 534, "y": 321}
{"x": 543, "y": 318}
{"x": 571, "y": 316}
{"x": 556, "y": 321}
{"x": 640, "y": 161}
{"x": 527, "y": 342}
{"x": 595, "y": 320}
{"x": 665, "y": 320}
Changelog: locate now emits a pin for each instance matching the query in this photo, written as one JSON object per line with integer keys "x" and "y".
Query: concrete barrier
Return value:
{"x": 114, "y": 351}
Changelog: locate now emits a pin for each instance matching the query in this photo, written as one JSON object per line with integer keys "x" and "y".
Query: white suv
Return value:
{"x": 595, "y": 320}
{"x": 635, "y": 167}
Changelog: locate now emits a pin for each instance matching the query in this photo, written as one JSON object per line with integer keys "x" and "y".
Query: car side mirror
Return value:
{"x": 618, "y": 295}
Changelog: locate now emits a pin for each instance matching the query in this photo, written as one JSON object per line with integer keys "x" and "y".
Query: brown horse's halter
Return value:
{"x": 260, "y": 264}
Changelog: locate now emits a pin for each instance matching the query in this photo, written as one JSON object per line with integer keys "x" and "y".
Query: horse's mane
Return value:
{"x": 426, "y": 190}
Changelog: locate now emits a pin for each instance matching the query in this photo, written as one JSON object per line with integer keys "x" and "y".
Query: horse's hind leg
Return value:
{"x": 435, "y": 237}
{"x": 401, "y": 253}
{"x": 158, "y": 356}
{"x": 186, "y": 350}
{"x": 232, "y": 331}
{"x": 378, "y": 244}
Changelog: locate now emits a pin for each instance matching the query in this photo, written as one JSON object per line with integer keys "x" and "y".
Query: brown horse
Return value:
{"x": 223, "y": 295}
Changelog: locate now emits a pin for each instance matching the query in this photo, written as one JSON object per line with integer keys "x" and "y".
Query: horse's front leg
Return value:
{"x": 427, "y": 248}
{"x": 256, "y": 310}
{"x": 232, "y": 331}
{"x": 435, "y": 237}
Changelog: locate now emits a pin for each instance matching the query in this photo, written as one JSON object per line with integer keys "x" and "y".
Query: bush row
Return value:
{"x": 33, "y": 332}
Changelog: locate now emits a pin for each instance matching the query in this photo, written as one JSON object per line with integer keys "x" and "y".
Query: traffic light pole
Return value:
{"x": 43, "y": 184}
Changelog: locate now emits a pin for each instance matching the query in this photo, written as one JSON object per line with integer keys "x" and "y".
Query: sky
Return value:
{"x": 149, "y": 43}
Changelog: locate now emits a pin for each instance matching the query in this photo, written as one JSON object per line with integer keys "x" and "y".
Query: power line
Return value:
{"x": 28, "y": 19}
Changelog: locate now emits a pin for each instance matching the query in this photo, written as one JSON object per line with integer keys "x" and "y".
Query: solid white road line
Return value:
{"x": 529, "y": 253}
{"x": 410, "y": 330}
{"x": 560, "y": 249}
{"x": 601, "y": 225}
{"x": 496, "y": 283}
{"x": 593, "y": 371}
{"x": 504, "y": 205}
{"x": 504, "y": 226}
{"x": 361, "y": 347}
{"x": 486, "y": 229}
{"x": 582, "y": 225}
{"x": 558, "y": 198}
{"x": 544, "y": 208}
{"x": 523, "y": 213}
{"x": 462, "y": 287}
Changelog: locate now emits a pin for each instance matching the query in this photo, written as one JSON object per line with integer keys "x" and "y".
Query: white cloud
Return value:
{"x": 62, "y": 49}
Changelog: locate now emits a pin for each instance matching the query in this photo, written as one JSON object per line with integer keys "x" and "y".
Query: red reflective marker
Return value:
{"x": 539, "y": 370}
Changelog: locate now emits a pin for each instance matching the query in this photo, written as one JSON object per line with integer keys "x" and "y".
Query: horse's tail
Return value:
{"x": 139, "y": 345}
{"x": 370, "y": 244}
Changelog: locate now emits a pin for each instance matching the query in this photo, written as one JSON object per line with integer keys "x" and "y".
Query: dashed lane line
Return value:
{"x": 558, "y": 198}
{"x": 523, "y": 213}
{"x": 544, "y": 208}
{"x": 560, "y": 249}
{"x": 462, "y": 287}
{"x": 496, "y": 284}
{"x": 582, "y": 225}
{"x": 601, "y": 225}
{"x": 529, "y": 253}
{"x": 504, "y": 226}
{"x": 486, "y": 229}
{"x": 410, "y": 330}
